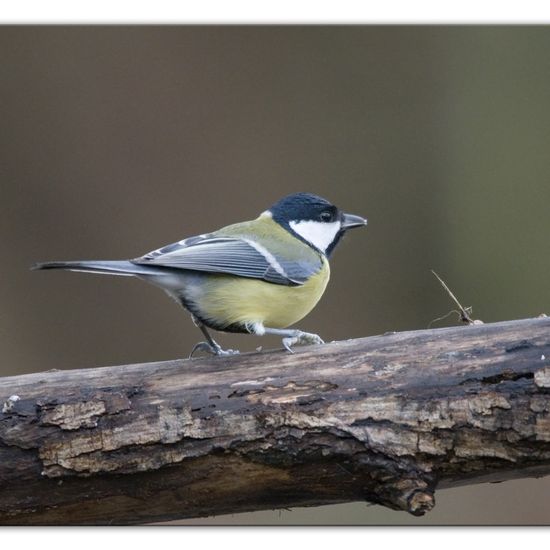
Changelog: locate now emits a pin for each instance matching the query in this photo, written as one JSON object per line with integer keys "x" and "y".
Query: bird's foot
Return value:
{"x": 301, "y": 338}
{"x": 212, "y": 349}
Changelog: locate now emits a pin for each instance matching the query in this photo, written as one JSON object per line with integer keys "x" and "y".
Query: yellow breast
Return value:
{"x": 237, "y": 300}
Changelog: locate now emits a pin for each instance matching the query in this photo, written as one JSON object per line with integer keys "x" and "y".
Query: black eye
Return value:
{"x": 326, "y": 216}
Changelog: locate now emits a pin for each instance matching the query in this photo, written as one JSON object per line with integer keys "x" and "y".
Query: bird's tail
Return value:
{"x": 107, "y": 267}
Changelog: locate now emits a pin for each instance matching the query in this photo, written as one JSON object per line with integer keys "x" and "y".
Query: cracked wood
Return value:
{"x": 385, "y": 419}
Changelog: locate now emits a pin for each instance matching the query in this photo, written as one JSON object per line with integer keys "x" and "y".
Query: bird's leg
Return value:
{"x": 292, "y": 337}
{"x": 210, "y": 346}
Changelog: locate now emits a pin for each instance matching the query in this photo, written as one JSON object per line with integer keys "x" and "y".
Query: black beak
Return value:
{"x": 351, "y": 220}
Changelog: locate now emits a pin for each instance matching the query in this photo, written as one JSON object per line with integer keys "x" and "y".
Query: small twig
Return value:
{"x": 443, "y": 317}
{"x": 464, "y": 313}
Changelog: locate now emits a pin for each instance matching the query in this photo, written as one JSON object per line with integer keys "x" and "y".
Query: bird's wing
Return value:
{"x": 235, "y": 256}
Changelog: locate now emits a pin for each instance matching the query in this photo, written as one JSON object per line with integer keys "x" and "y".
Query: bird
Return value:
{"x": 256, "y": 277}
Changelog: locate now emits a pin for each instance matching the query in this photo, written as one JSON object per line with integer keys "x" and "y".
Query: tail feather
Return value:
{"x": 107, "y": 267}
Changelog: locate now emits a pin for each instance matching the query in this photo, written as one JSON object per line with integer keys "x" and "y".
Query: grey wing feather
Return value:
{"x": 229, "y": 255}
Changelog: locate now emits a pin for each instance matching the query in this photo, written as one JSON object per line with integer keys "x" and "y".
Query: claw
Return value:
{"x": 301, "y": 338}
{"x": 287, "y": 342}
{"x": 212, "y": 350}
{"x": 201, "y": 346}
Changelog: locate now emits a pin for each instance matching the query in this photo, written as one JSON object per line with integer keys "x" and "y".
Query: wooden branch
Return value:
{"x": 384, "y": 419}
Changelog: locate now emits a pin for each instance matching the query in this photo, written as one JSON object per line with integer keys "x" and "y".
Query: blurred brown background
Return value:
{"x": 116, "y": 140}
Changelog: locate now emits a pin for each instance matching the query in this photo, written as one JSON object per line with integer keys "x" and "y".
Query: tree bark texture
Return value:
{"x": 384, "y": 419}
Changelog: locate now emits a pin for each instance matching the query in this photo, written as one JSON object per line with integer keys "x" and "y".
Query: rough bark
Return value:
{"x": 384, "y": 419}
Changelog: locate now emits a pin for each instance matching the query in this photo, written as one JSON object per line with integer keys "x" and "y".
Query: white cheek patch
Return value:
{"x": 319, "y": 234}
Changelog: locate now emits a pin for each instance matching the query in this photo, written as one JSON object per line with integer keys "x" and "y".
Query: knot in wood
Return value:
{"x": 420, "y": 502}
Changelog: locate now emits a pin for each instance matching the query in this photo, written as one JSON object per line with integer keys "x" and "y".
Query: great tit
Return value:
{"x": 256, "y": 277}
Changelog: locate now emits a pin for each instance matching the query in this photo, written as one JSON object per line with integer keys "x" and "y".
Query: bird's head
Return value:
{"x": 314, "y": 220}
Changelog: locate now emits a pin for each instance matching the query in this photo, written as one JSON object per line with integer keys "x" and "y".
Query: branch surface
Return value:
{"x": 384, "y": 419}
